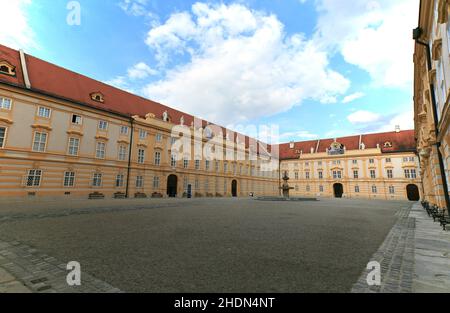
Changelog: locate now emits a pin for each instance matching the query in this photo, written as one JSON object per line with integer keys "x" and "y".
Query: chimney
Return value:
{"x": 23, "y": 62}
{"x": 291, "y": 145}
{"x": 397, "y": 128}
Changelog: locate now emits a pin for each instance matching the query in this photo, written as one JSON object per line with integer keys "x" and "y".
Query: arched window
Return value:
{"x": 7, "y": 68}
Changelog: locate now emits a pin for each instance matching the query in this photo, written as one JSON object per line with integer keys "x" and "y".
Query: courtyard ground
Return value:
{"x": 204, "y": 245}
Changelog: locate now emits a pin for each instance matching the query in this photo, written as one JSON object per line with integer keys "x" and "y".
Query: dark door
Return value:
{"x": 338, "y": 190}
{"x": 172, "y": 182}
{"x": 413, "y": 193}
{"x": 234, "y": 188}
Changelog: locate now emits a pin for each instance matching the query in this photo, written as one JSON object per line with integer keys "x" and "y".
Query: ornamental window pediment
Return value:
{"x": 97, "y": 97}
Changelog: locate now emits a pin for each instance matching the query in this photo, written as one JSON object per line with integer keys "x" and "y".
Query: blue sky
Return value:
{"x": 316, "y": 68}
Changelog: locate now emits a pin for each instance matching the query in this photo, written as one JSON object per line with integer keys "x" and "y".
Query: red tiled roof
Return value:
{"x": 12, "y": 57}
{"x": 401, "y": 142}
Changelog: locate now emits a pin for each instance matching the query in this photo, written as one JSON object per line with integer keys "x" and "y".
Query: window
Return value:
{"x": 355, "y": 162}
{"x": 405, "y": 159}
{"x": 185, "y": 163}
{"x": 306, "y": 163}
{"x": 307, "y": 175}
{"x": 158, "y": 137}
{"x": 69, "y": 179}
{"x": 44, "y": 112}
{"x": 2, "y": 136}
{"x": 102, "y": 125}
{"x": 388, "y": 160}
{"x": 141, "y": 156}
{"x": 297, "y": 188}
{"x": 76, "y": 119}
{"x": 356, "y": 174}
{"x": 74, "y": 144}
{"x": 413, "y": 174}
{"x": 374, "y": 189}
{"x": 123, "y": 152}
{"x": 157, "y": 158}
{"x": 40, "y": 140}
{"x": 34, "y": 178}
{"x": 119, "y": 180}
{"x": 320, "y": 175}
{"x": 156, "y": 182}
{"x": 371, "y": 161}
{"x": 321, "y": 188}
{"x": 100, "y": 150}
{"x": 5, "y": 103}
{"x": 296, "y": 175}
{"x": 356, "y": 189}
{"x": 225, "y": 167}
{"x": 373, "y": 174}
{"x": 206, "y": 185}
{"x": 139, "y": 181}
{"x": 391, "y": 190}
{"x": 207, "y": 165}
{"x": 410, "y": 173}
{"x": 411, "y": 159}
{"x": 308, "y": 188}
{"x": 390, "y": 174}
{"x": 97, "y": 180}
{"x": 142, "y": 134}
{"x": 124, "y": 130}
{"x": 173, "y": 160}
{"x": 319, "y": 163}
{"x": 337, "y": 174}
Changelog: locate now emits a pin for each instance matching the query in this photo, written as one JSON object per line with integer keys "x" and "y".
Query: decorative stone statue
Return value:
{"x": 182, "y": 121}
{"x": 285, "y": 187}
{"x": 165, "y": 116}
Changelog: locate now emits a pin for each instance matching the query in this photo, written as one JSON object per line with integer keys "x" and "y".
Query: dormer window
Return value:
{"x": 7, "y": 68}
{"x": 97, "y": 97}
{"x": 388, "y": 144}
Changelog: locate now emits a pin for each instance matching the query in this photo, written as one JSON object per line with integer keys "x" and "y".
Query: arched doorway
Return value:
{"x": 172, "y": 184}
{"x": 234, "y": 191}
{"x": 413, "y": 192}
{"x": 338, "y": 190}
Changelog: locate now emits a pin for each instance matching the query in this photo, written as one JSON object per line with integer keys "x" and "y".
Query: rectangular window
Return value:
{"x": 355, "y": 174}
{"x": 207, "y": 165}
{"x": 158, "y": 137}
{"x": 355, "y": 161}
{"x": 407, "y": 174}
{"x": 185, "y": 163}
{"x": 197, "y": 164}
{"x": 74, "y": 145}
{"x": 337, "y": 174}
{"x": 217, "y": 166}
{"x": 102, "y": 125}
{"x": 307, "y": 175}
{"x": 120, "y": 180}
{"x": 40, "y": 140}
{"x": 225, "y": 168}
{"x": 158, "y": 158}
{"x": 76, "y": 119}
{"x": 356, "y": 189}
{"x": 388, "y": 160}
{"x": 97, "y": 180}
{"x": 124, "y": 130}
{"x": 142, "y": 134}
{"x": 373, "y": 174}
{"x": 206, "y": 185}
{"x": 69, "y": 179}
{"x": 308, "y": 188}
{"x": 391, "y": 190}
{"x": 296, "y": 175}
{"x": 413, "y": 174}
{"x": 371, "y": 161}
{"x": 139, "y": 181}
{"x": 173, "y": 160}
{"x": 411, "y": 159}
{"x": 2, "y": 136}
{"x": 44, "y": 112}
{"x": 155, "y": 182}
{"x": 141, "y": 156}
{"x": 390, "y": 174}
{"x": 5, "y": 103}
{"x": 34, "y": 178}
{"x": 374, "y": 189}
{"x": 123, "y": 151}
{"x": 321, "y": 188}
{"x": 405, "y": 159}
{"x": 100, "y": 150}
{"x": 320, "y": 175}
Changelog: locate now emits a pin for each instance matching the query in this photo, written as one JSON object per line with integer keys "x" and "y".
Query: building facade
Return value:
{"x": 431, "y": 93}
{"x": 375, "y": 166}
{"x": 66, "y": 135}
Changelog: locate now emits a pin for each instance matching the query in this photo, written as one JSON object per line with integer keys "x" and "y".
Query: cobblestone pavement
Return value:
{"x": 415, "y": 257}
{"x": 24, "y": 270}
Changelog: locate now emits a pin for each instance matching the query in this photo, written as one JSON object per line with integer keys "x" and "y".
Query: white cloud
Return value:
{"x": 405, "y": 120}
{"x": 353, "y": 97}
{"x": 15, "y": 30}
{"x": 373, "y": 35}
{"x": 134, "y": 7}
{"x": 363, "y": 117}
{"x": 141, "y": 71}
{"x": 241, "y": 65}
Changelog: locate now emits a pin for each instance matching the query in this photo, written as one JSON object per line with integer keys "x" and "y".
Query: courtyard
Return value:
{"x": 207, "y": 245}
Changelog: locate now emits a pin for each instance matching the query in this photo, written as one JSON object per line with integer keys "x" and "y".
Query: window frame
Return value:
{"x": 40, "y": 142}
{"x": 97, "y": 144}
{"x": 102, "y": 122}
{"x": 77, "y": 146}
{"x": 33, "y": 185}
{"x": 5, "y": 134}
{"x": 97, "y": 177}
{"x": 69, "y": 179}
{"x": 45, "y": 109}
{"x": 2, "y": 103}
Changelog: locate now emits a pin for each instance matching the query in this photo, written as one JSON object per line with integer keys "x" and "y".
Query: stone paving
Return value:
{"x": 24, "y": 270}
{"x": 415, "y": 257}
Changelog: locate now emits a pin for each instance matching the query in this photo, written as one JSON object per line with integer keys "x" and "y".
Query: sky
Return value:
{"x": 315, "y": 68}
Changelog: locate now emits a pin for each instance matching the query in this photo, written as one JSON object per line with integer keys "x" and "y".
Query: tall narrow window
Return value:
{"x": 374, "y": 189}
{"x": 5, "y": 103}
{"x": 185, "y": 163}
{"x": 2, "y": 137}
{"x": 413, "y": 174}
{"x": 119, "y": 180}
{"x": 373, "y": 174}
{"x": 390, "y": 174}
{"x": 69, "y": 179}
{"x": 355, "y": 174}
{"x": 97, "y": 180}
{"x": 124, "y": 130}
{"x": 39, "y": 142}
{"x": 158, "y": 137}
{"x": 173, "y": 160}
{"x": 157, "y": 158}
{"x": 320, "y": 175}
{"x": 407, "y": 173}
{"x": 139, "y": 181}
{"x": 356, "y": 189}
{"x": 142, "y": 134}
{"x": 34, "y": 178}
{"x": 74, "y": 144}
{"x": 155, "y": 182}
{"x": 141, "y": 156}
{"x": 197, "y": 164}
{"x": 123, "y": 152}
{"x": 76, "y": 119}
{"x": 100, "y": 150}
{"x": 391, "y": 190}
{"x": 102, "y": 125}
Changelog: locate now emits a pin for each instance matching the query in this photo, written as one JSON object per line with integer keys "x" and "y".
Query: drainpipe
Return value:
{"x": 416, "y": 36}
{"x": 129, "y": 157}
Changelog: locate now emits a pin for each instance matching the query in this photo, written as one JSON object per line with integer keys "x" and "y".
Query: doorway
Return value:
{"x": 338, "y": 190}
{"x": 172, "y": 184}
{"x": 234, "y": 188}
{"x": 413, "y": 192}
